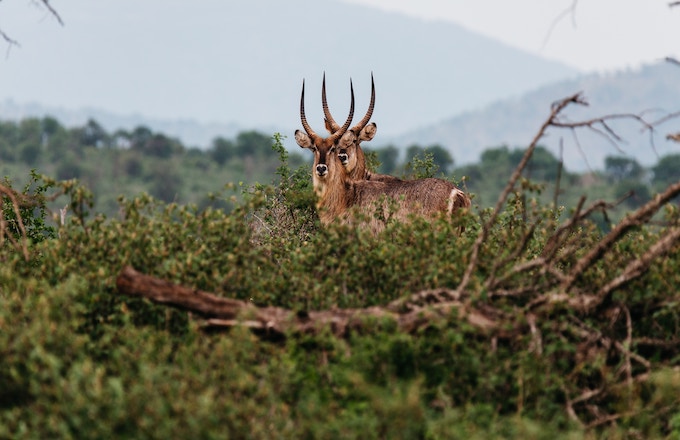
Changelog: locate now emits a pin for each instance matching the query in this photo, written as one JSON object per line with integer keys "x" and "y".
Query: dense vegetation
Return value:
{"x": 528, "y": 351}
{"x": 129, "y": 162}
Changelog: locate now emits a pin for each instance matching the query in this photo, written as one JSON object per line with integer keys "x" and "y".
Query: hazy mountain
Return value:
{"x": 242, "y": 63}
{"x": 651, "y": 91}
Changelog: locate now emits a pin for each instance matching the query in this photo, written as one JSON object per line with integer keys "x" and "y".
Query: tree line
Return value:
{"x": 141, "y": 160}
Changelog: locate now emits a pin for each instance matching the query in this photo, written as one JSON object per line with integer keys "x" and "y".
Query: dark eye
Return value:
{"x": 332, "y": 149}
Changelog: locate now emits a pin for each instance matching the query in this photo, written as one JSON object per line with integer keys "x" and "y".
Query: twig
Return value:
{"x": 553, "y": 243}
{"x": 571, "y": 10}
{"x": 639, "y": 266}
{"x": 556, "y": 108}
{"x": 11, "y": 42}
{"x": 569, "y": 404}
{"x": 52, "y": 11}
{"x": 651, "y": 342}
{"x": 491, "y": 280}
{"x": 560, "y": 165}
{"x": 536, "y": 345}
{"x": 12, "y": 195}
{"x": 625, "y": 348}
{"x": 667, "y": 117}
{"x": 632, "y": 220}
{"x": 7, "y": 39}
{"x": 601, "y": 126}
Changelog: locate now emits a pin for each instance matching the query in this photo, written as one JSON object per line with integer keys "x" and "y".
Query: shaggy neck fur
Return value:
{"x": 331, "y": 191}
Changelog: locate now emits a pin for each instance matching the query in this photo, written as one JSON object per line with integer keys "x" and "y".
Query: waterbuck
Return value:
{"x": 369, "y": 203}
{"x": 349, "y": 147}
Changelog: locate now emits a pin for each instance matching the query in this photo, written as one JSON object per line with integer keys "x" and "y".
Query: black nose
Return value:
{"x": 344, "y": 157}
{"x": 321, "y": 169}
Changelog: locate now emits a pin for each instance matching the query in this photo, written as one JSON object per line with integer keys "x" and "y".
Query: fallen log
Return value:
{"x": 411, "y": 314}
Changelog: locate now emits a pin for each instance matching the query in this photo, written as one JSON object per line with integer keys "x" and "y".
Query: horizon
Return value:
{"x": 87, "y": 66}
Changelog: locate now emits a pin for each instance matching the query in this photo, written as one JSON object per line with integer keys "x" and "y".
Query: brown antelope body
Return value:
{"x": 367, "y": 202}
{"x": 349, "y": 147}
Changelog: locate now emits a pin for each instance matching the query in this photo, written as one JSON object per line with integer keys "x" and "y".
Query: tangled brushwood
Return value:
{"x": 551, "y": 283}
{"x": 532, "y": 322}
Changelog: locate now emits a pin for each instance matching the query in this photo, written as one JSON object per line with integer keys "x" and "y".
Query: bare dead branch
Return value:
{"x": 554, "y": 241}
{"x": 632, "y": 220}
{"x": 601, "y": 127}
{"x": 558, "y": 179}
{"x": 665, "y": 118}
{"x": 519, "y": 249}
{"x": 627, "y": 354}
{"x": 46, "y": 3}
{"x": 536, "y": 338}
{"x": 570, "y": 11}
{"x": 15, "y": 200}
{"x": 582, "y": 153}
{"x": 52, "y": 11}
{"x": 651, "y": 342}
{"x": 556, "y": 108}
{"x": 226, "y": 312}
{"x": 638, "y": 266}
{"x": 569, "y": 406}
{"x": 7, "y": 39}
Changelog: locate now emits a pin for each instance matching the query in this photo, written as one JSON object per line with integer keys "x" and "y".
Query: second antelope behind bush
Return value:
{"x": 342, "y": 199}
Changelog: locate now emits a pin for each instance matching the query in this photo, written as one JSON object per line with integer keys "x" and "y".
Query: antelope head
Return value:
{"x": 349, "y": 151}
{"x": 324, "y": 149}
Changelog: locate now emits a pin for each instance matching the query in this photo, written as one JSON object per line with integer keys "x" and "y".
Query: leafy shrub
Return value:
{"x": 23, "y": 215}
{"x": 79, "y": 360}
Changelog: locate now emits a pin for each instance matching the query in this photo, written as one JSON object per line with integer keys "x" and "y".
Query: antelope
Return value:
{"x": 350, "y": 153}
{"x": 341, "y": 198}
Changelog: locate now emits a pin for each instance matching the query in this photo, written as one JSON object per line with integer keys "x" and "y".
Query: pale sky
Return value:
{"x": 600, "y": 35}
{"x": 108, "y": 55}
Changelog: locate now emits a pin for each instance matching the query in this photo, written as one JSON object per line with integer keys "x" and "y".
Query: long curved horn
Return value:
{"x": 326, "y": 113}
{"x": 335, "y": 136}
{"x": 305, "y": 124}
{"x": 360, "y": 126}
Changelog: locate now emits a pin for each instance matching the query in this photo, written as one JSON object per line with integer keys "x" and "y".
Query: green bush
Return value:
{"x": 78, "y": 360}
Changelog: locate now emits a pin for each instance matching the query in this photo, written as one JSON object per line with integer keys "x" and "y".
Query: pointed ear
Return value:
{"x": 368, "y": 132}
{"x": 303, "y": 139}
{"x": 347, "y": 140}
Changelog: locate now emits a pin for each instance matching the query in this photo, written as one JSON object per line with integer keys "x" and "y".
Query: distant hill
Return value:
{"x": 242, "y": 63}
{"x": 652, "y": 89}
